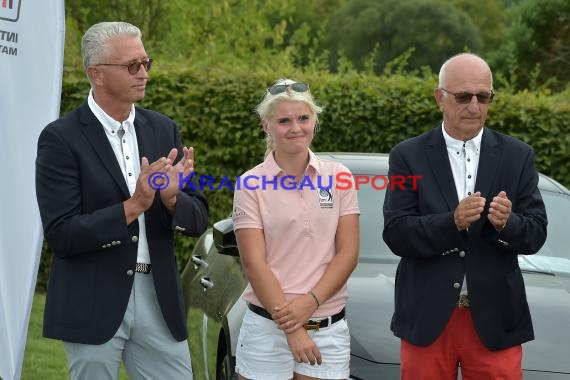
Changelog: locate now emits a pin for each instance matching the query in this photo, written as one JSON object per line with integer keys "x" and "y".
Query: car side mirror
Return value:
{"x": 225, "y": 238}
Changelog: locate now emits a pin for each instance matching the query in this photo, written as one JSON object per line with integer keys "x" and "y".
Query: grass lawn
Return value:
{"x": 45, "y": 358}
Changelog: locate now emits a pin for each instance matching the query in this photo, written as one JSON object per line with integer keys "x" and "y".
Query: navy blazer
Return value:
{"x": 419, "y": 227}
{"x": 80, "y": 191}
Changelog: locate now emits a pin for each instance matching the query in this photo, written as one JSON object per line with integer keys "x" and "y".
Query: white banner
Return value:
{"x": 31, "y": 65}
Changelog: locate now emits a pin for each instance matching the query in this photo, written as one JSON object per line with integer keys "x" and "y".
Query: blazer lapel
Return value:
{"x": 93, "y": 130}
{"x": 488, "y": 163}
{"x": 436, "y": 152}
{"x": 146, "y": 138}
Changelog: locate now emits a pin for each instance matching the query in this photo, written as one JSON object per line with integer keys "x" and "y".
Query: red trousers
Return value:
{"x": 457, "y": 345}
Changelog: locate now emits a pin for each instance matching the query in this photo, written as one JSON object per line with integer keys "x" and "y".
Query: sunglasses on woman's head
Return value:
{"x": 279, "y": 88}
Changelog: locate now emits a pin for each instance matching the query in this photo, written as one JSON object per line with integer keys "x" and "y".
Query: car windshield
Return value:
{"x": 555, "y": 252}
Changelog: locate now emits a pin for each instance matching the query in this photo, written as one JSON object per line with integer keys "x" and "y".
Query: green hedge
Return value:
{"x": 363, "y": 113}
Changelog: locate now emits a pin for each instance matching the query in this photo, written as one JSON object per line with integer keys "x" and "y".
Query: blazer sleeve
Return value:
{"x": 526, "y": 228}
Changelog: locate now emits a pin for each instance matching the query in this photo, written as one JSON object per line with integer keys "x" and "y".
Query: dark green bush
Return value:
{"x": 361, "y": 113}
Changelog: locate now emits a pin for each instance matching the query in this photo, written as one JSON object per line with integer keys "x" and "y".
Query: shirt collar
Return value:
{"x": 109, "y": 124}
{"x": 272, "y": 168}
{"x": 455, "y": 144}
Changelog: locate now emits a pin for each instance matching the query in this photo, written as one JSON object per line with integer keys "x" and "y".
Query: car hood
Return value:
{"x": 371, "y": 304}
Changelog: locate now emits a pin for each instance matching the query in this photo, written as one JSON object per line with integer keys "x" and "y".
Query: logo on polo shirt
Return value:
{"x": 238, "y": 213}
{"x": 325, "y": 198}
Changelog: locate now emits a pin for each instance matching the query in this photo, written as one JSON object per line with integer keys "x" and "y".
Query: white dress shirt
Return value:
{"x": 464, "y": 161}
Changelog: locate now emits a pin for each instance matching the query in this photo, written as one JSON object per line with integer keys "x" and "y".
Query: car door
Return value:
{"x": 217, "y": 281}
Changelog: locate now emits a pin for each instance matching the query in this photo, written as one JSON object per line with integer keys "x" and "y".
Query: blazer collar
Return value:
{"x": 436, "y": 152}
{"x": 95, "y": 134}
{"x": 146, "y": 137}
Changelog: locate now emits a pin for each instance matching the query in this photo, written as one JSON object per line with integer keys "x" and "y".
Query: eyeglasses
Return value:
{"x": 134, "y": 67}
{"x": 279, "y": 88}
{"x": 465, "y": 97}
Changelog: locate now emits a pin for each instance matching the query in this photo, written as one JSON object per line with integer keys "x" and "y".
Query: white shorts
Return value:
{"x": 263, "y": 353}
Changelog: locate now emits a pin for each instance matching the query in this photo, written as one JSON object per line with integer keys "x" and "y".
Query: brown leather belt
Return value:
{"x": 311, "y": 324}
{"x": 142, "y": 268}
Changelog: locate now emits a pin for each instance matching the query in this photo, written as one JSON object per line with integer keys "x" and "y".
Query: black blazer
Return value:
{"x": 419, "y": 227}
{"x": 80, "y": 191}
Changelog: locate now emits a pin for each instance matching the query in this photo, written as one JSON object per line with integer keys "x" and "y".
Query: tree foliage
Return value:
{"x": 342, "y": 35}
{"x": 151, "y": 16}
{"x": 433, "y": 29}
{"x": 233, "y": 32}
{"x": 148, "y": 15}
{"x": 489, "y": 16}
{"x": 537, "y": 48}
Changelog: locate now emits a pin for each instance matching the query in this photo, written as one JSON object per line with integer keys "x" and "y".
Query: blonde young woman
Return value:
{"x": 298, "y": 237}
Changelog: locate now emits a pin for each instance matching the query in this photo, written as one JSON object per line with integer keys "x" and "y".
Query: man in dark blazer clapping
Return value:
{"x": 109, "y": 198}
{"x": 460, "y": 297}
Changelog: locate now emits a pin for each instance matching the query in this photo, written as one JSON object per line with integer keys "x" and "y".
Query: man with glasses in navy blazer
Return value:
{"x": 460, "y": 297}
{"x": 109, "y": 198}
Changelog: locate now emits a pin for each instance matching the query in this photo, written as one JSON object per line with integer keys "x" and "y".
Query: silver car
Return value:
{"x": 213, "y": 283}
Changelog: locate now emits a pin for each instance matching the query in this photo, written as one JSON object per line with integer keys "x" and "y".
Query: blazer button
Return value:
{"x": 134, "y": 239}
{"x": 461, "y": 253}
{"x": 456, "y": 285}
{"x": 130, "y": 272}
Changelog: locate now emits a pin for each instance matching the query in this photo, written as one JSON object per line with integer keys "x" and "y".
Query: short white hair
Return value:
{"x": 94, "y": 43}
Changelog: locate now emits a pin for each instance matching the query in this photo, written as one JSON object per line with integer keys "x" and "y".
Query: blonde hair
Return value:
{"x": 266, "y": 108}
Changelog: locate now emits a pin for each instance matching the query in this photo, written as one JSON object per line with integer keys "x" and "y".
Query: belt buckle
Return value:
{"x": 463, "y": 302}
{"x": 312, "y": 325}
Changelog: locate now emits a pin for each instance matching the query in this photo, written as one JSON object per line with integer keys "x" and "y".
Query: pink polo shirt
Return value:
{"x": 299, "y": 225}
